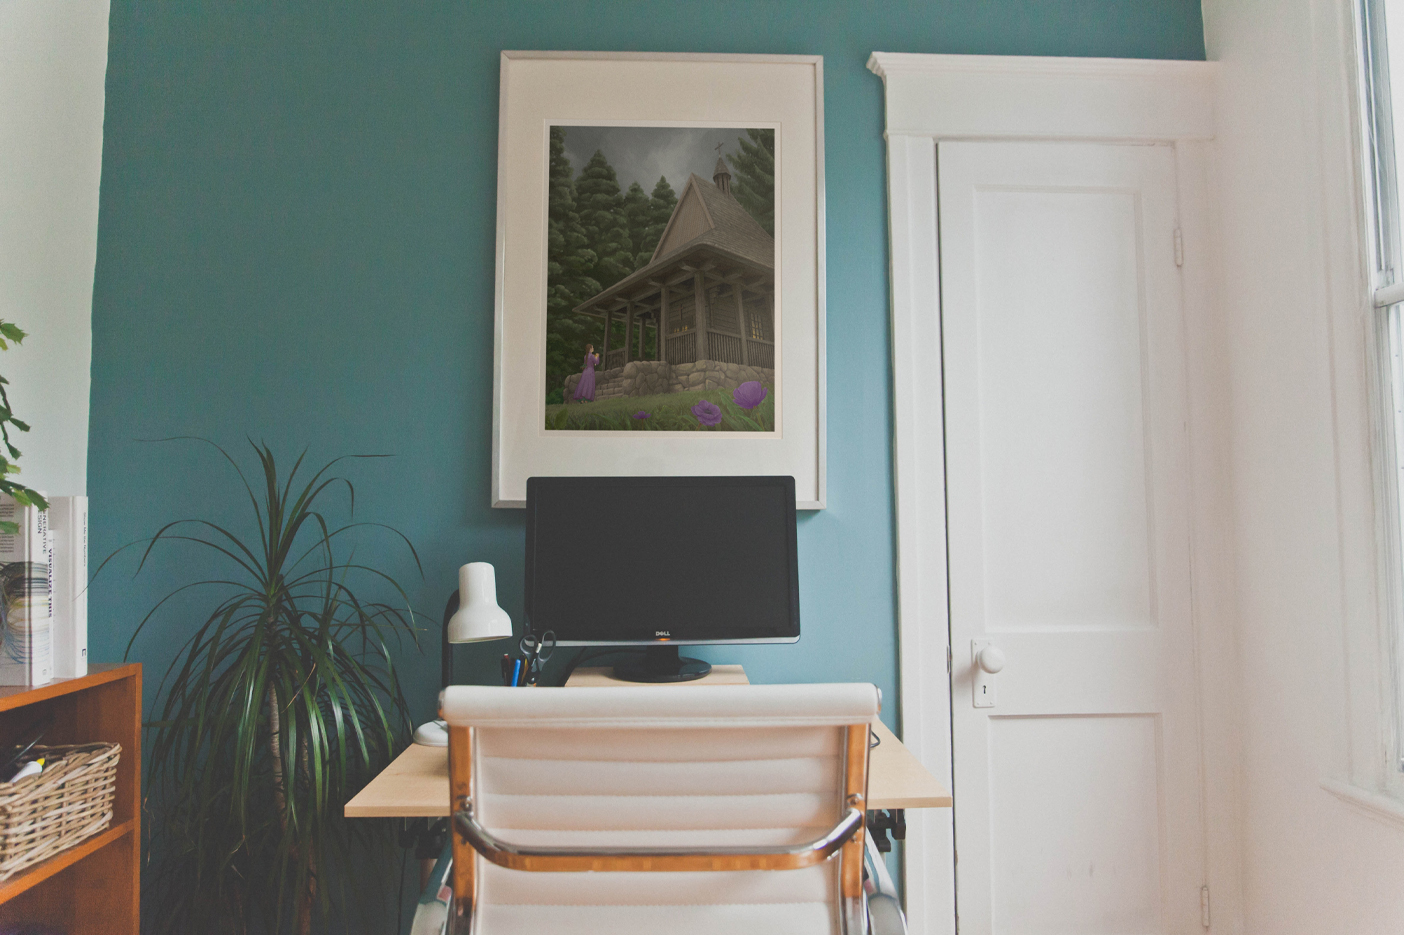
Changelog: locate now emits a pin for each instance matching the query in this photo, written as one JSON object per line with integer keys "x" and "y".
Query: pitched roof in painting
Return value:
{"x": 705, "y": 217}
{"x": 732, "y": 228}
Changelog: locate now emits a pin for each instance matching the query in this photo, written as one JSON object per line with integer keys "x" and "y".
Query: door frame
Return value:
{"x": 931, "y": 98}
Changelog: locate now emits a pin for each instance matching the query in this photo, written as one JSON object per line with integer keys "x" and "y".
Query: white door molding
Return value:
{"x": 1017, "y": 97}
{"x": 930, "y": 98}
{"x": 918, "y": 451}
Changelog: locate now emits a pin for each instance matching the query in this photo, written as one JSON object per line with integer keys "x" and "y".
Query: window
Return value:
{"x": 1382, "y": 54}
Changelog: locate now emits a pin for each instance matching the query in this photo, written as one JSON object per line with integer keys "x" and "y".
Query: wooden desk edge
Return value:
{"x": 381, "y": 797}
{"x": 892, "y": 764}
{"x": 393, "y": 811}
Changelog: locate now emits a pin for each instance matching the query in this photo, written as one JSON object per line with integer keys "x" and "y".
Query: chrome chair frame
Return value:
{"x": 435, "y": 916}
{"x": 845, "y": 841}
{"x": 645, "y": 859}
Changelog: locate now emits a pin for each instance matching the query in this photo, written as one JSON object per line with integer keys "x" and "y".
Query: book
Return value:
{"x": 68, "y": 530}
{"x": 26, "y": 597}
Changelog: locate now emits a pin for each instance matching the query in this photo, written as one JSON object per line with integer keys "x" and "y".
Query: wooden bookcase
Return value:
{"x": 93, "y": 888}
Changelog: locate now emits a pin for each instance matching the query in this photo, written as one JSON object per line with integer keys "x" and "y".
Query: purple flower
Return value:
{"x": 749, "y": 395}
{"x": 706, "y": 413}
{"x": 640, "y": 415}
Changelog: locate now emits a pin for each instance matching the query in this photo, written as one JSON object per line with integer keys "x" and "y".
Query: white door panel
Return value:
{"x": 1094, "y": 794}
{"x": 1077, "y": 793}
{"x": 1058, "y": 405}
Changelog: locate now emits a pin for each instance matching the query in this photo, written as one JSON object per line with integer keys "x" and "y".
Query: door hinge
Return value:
{"x": 1204, "y": 905}
{"x": 1179, "y": 248}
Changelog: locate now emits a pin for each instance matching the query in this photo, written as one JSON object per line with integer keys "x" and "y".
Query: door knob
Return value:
{"x": 991, "y": 659}
{"x": 988, "y": 659}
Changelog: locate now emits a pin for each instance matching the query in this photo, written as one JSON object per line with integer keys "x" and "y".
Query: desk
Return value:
{"x": 415, "y": 785}
{"x": 896, "y": 778}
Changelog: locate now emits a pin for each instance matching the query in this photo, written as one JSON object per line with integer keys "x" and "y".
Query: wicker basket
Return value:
{"x": 71, "y": 800}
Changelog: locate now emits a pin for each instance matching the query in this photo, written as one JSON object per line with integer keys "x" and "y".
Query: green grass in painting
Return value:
{"x": 669, "y": 412}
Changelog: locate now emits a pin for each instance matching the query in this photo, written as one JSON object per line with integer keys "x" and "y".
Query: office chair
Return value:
{"x": 687, "y": 811}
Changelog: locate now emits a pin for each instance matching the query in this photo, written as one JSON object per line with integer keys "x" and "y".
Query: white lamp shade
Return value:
{"x": 478, "y": 617}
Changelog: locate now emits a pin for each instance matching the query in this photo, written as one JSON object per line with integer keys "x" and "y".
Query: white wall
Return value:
{"x": 1297, "y": 322}
{"x": 53, "y": 62}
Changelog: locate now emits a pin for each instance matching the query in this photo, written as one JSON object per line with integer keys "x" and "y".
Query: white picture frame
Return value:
{"x": 541, "y": 89}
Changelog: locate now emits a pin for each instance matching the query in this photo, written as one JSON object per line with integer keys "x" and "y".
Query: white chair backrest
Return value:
{"x": 702, "y": 766}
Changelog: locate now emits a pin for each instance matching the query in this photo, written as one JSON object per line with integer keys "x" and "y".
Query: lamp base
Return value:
{"x": 432, "y": 734}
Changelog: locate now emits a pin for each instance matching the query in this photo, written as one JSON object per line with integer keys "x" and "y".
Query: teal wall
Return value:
{"x": 296, "y": 244}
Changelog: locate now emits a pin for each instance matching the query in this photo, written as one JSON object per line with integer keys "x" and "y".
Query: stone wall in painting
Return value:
{"x": 655, "y": 377}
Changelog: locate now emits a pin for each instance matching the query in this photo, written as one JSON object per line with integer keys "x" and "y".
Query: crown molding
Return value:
{"x": 1040, "y": 97}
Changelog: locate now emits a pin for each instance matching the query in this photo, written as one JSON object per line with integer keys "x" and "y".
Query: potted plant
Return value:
{"x": 282, "y": 702}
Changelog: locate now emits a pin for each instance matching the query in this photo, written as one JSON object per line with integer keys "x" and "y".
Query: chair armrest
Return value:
{"x": 431, "y": 916}
{"x": 885, "y": 916}
{"x": 877, "y": 870}
{"x": 562, "y": 859}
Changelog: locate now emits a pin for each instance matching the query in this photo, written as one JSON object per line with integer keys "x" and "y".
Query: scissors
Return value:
{"x": 537, "y": 649}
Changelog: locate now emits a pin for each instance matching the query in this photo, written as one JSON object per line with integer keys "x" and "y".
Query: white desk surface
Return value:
{"x": 415, "y": 785}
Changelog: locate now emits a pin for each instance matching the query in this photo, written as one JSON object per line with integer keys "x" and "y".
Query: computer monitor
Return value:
{"x": 662, "y": 562}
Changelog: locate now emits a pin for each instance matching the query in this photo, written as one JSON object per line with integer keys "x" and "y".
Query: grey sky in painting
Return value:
{"x": 642, "y": 154}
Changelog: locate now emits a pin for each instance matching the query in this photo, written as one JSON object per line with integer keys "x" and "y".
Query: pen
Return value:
{"x": 516, "y": 673}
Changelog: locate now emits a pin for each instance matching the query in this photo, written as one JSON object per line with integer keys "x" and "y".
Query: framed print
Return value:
{"x": 660, "y": 269}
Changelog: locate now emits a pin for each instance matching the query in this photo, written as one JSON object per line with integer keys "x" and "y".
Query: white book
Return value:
{"x": 68, "y": 528}
{"x": 26, "y": 597}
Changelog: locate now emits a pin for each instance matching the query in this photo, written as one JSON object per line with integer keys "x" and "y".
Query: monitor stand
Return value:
{"x": 661, "y": 664}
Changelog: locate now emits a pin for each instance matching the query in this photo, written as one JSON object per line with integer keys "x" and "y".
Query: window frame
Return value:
{"x": 1383, "y": 215}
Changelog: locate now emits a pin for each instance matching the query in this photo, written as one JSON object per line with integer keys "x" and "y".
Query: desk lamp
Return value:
{"x": 471, "y": 616}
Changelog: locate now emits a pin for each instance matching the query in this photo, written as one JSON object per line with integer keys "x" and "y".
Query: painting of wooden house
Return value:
{"x": 706, "y": 297}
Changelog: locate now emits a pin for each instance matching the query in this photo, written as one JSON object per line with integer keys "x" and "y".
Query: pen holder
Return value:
{"x": 519, "y": 671}
{"x": 71, "y": 800}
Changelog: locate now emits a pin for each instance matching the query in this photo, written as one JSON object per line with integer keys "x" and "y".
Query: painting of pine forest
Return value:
{"x": 660, "y": 299}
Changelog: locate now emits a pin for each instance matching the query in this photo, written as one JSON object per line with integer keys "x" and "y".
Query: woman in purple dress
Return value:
{"x": 585, "y": 389}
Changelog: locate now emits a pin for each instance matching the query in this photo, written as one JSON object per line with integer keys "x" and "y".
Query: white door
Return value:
{"x": 1077, "y": 763}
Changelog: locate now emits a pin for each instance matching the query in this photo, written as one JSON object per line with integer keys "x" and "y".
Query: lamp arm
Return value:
{"x": 445, "y": 648}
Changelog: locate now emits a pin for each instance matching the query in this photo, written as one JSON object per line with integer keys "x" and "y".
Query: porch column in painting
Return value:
{"x": 643, "y": 326}
{"x": 662, "y": 321}
{"x": 628, "y": 330}
{"x": 604, "y": 350}
{"x": 741, "y": 325}
{"x": 699, "y": 289}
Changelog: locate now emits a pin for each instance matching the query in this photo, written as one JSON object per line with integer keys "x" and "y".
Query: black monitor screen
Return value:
{"x": 652, "y": 559}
